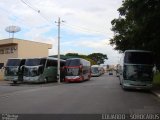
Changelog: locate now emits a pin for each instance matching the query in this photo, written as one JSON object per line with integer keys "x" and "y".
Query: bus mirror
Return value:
{"x": 21, "y": 68}
{"x": 40, "y": 66}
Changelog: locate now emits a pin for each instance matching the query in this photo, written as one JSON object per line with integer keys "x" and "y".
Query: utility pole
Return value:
{"x": 58, "y": 67}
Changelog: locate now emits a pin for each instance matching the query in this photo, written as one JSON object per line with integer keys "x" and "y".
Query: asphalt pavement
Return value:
{"x": 100, "y": 95}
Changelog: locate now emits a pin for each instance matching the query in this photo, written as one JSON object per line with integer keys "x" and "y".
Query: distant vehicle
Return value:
{"x": 13, "y": 71}
{"x": 117, "y": 70}
{"x": 37, "y": 70}
{"x": 136, "y": 69}
{"x": 77, "y": 69}
{"x": 110, "y": 73}
{"x": 96, "y": 70}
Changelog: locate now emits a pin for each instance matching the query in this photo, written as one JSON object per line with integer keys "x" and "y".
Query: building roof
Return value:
{"x": 15, "y": 41}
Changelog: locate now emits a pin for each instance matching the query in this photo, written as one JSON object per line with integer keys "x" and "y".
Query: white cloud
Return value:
{"x": 82, "y": 17}
{"x": 96, "y": 46}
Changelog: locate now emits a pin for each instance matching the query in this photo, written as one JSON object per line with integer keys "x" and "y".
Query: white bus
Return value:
{"x": 136, "y": 69}
{"x": 96, "y": 71}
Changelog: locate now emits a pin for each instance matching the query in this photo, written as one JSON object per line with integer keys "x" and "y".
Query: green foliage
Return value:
{"x": 138, "y": 26}
{"x": 156, "y": 80}
{"x": 72, "y": 54}
{"x": 87, "y": 58}
{"x": 98, "y": 58}
{"x": 94, "y": 58}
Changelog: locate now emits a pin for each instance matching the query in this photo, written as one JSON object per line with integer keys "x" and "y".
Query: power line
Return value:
{"x": 75, "y": 27}
{"x": 30, "y": 6}
{"x": 37, "y": 11}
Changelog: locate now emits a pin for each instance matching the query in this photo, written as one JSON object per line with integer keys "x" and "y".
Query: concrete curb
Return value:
{"x": 156, "y": 93}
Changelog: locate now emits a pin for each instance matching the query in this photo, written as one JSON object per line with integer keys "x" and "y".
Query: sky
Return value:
{"x": 85, "y": 24}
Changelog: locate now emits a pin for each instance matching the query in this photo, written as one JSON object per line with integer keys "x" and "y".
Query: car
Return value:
{"x": 110, "y": 73}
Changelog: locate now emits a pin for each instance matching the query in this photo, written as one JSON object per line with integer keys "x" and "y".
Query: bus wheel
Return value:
{"x": 14, "y": 82}
{"x": 124, "y": 88}
{"x": 46, "y": 80}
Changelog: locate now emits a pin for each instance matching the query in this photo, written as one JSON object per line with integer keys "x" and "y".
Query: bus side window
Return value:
{"x": 43, "y": 61}
{"x": 48, "y": 63}
{"x": 51, "y": 63}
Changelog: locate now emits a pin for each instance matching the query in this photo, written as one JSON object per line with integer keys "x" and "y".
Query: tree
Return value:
{"x": 138, "y": 26}
{"x": 73, "y": 54}
{"x": 87, "y": 58}
{"x": 76, "y": 55}
{"x": 98, "y": 58}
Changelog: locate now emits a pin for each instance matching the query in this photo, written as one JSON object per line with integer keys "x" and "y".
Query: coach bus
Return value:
{"x": 38, "y": 70}
{"x": 95, "y": 71}
{"x": 77, "y": 69}
{"x": 136, "y": 70}
{"x": 13, "y": 71}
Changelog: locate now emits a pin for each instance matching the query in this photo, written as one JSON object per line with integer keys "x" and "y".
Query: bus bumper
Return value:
{"x": 35, "y": 79}
{"x": 73, "y": 79}
{"x": 95, "y": 75}
{"x": 11, "y": 78}
{"x": 145, "y": 86}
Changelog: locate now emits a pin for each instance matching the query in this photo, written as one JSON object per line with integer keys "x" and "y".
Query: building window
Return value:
{"x": 1, "y": 51}
{"x": 7, "y": 51}
{"x": 12, "y": 50}
{"x": 1, "y": 65}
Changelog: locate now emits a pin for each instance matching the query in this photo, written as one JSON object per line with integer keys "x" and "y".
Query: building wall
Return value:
{"x": 1, "y": 74}
{"x": 28, "y": 49}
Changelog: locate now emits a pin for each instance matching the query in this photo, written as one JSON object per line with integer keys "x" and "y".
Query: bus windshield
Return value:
{"x": 94, "y": 69}
{"x": 13, "y": 62}
{"x": 33, "y": 62}
{"x": 72, "y": 72}
{"x": 73, "y": 62}
{"x": 138, "y": 58}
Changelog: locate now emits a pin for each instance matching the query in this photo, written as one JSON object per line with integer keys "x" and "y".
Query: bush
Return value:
{"x": 156, "y": 80}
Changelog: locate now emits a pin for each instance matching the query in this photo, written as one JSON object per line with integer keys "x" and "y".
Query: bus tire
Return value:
{"x": 14, "y": 82}
{"x": 124, "y": 88}
{"x": 46, "y": 79}
{"x": 120, "y": 83}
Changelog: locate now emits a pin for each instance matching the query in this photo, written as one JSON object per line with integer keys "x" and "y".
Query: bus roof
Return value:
{"x": 73, "y": 58}
{"x": 136, "y": 51}
{"x": 51, "y": 58}
{"x": 16, "y": 58}
{"x": 95, "y": 66}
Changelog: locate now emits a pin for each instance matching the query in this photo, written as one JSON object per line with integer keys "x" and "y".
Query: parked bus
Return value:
{"x": 136, "y": 70}
{"x": 77, "y": 69}
{"x": 13, "y": 71}
{"x": 38, "y": 70}
{"x": 95, "y": 71}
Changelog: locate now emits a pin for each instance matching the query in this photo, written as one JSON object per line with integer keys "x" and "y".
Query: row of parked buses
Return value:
{"x": 36, "y": 70}
{"x": 97, "y": 70}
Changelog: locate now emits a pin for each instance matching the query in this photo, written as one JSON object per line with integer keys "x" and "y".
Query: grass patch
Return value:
{"x": 156, "y": 80}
